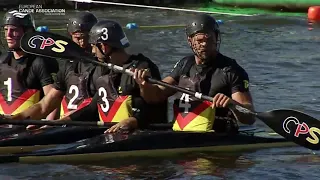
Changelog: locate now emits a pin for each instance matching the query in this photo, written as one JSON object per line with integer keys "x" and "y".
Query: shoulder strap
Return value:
{"x": 5, "y": 57}
{"x": 23, "y": 72}
{"x": 187, "y": 66}
{"x": 91, "y": 79}
{"x": 74, "y": 66}
{"x": 126, "y": 79}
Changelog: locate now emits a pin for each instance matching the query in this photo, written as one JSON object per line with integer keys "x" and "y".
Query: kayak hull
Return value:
{"x": 94, "y": 158}
{"x": 54, "y": 135}
{"x": 147, "y": 144}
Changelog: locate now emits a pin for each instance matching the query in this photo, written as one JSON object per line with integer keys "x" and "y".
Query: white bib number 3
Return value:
{"x": 184, "y": 102}
{"x": 103, "y": 93}
{"x": 8, "y": 83}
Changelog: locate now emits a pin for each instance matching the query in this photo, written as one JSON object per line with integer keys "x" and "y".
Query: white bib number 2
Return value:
{"x": 73, "y": 89}
{"x": 103, "y": 93}
{"x": 185, "y": 102}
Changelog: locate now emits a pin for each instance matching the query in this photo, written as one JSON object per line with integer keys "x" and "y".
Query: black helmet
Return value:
{"x": 81, "y": 22}
{"x": 109, "y": 32}
{"x": 202, "y": 23}
{"x": 14, "y": 17}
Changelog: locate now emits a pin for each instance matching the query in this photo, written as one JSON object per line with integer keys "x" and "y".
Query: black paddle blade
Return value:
{"x": 295, "y": 126}
{"x": 51, "y": 45}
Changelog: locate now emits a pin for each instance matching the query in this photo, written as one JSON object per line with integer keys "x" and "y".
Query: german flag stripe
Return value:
{"x": 24, "y": 101}
{"x": 64, "y": 105}
{"x": 182, "y": 122}
{"x": 65, "y": 109}
{"x": 118, "y": 111}
{"x": 203, "y": 122}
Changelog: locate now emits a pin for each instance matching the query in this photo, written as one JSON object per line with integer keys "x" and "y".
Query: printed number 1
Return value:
{"x": 9, "y": 84}
{"x": 186, "y": 105}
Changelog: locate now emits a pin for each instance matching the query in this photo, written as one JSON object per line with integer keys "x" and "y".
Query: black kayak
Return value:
{"x": 54, "y": 135}
{"x": 148, "y": 143}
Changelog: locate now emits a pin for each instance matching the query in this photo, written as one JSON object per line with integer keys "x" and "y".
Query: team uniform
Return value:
{"x": 219, "y": 74}
{"x": 74, "y": 79}
{"x": 223, "y": 75}
{"x": 22, "y": 81}
{"x": 118, "y": 97}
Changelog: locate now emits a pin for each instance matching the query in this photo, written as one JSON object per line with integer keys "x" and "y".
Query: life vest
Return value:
{"x": 112, "y": 107}
{"x": 15, "y": 97}
{"x": 191, "y": 114}
{"x": 77, "y": 95}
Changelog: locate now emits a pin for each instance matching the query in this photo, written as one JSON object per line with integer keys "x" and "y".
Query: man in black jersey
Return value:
{"x": 118, "y": 96}
{"x": 206, "y": 71}
{"x": 25, "y": 78}
{"x": 73, "y": 88}
{"x": 78, "y": 28}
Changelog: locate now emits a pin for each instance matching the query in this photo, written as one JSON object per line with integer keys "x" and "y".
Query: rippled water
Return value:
{"x": 282, "y": 58}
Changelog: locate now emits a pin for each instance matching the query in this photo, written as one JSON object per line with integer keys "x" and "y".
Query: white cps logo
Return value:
{"x": 47, "y": 42}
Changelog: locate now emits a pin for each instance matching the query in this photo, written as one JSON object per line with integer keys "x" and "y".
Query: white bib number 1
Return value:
{"x": 184, "y": 102}
{"x": 8, "y": 83}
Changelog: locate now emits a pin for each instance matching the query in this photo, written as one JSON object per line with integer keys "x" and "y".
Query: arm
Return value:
{"x": 53, "y": 97}
{"x": 41, "y": 109}
{"x": 46, "y": 71}
{"x": 54, "y": 114}
{"x": 241, "y": 95}
{"x": 244, "y": 99}
{"x": 153, "y": 93}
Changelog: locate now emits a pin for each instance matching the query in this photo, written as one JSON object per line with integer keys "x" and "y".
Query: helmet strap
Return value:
{"x": 104, "y": 54}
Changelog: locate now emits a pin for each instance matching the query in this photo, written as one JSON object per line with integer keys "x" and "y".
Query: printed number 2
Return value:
{"x": 104, "y": 99}
{"x": 76, "y": 94}
{"x": 184, "y": 102}
{"x": 9, "y": 84}
{"x": 104, "y": 35}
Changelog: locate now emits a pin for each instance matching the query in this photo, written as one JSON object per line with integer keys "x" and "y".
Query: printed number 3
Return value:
{"x": 104, "y": 99}
{"x": 104, "y": 35}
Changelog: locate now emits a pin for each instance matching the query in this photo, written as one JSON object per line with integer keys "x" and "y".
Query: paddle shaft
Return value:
{"x": 74, "y": 52}
{"x": 127, "y": 71}
{"x": 148, "y": 79}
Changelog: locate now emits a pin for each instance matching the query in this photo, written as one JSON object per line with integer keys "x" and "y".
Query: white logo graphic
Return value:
{"x": 287, "y": 121}
{"x": 17, "y": 14}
